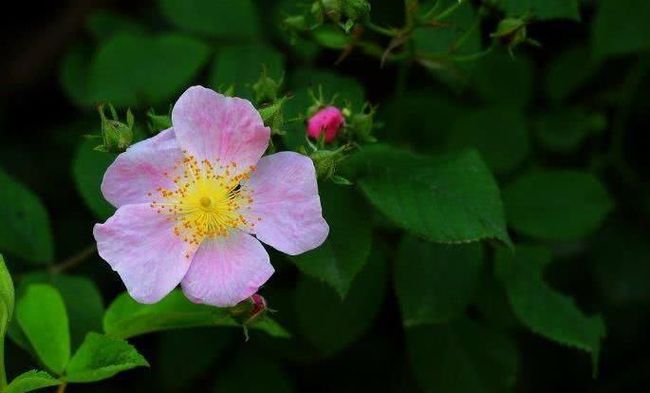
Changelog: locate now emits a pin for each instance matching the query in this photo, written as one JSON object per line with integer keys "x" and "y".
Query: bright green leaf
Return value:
{"x": 25, "y": 229}
{"x": 556, "y": 205}
{"x": 331, "y": 324}
{"x": 435, "y": 282}
{"x": 498, "y": 133}
{"x": 347, "y": 247}
{"x": 6, "y": 297}
{"x": 131, "y": 69}
{"x": 88, "y": 168}
{"x": 223, "y": 18}
{"x": 42, "y": 316}
{"x": 461, "y": 357}
{"x": 448, "y": 199}
{"x": 126, "y": 318}
{"x": 621, "y": 27}
{"x": 30, "y": 381}
{"x": 241, "y": 66}
{"x": 542, "y": 309}
{"x": 101, "y": 357}
{"x": 542, "y": 9}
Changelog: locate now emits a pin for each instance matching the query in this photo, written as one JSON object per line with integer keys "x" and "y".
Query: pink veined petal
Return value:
{"x": 212, "y": 126}
{"x": 285, "y": 199}
{"x": 227, "y": 270}
{"x": 141, "y": 247}
{"x": 141, "y": 169}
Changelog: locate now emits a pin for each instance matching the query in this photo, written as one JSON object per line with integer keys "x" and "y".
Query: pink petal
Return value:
{"x": 141, "y": 247}
{"x": 141, "y": 169}
{"x": 227, "y": 270}
{"x": 286, "y": 208}
{"x": 212, "y": 126}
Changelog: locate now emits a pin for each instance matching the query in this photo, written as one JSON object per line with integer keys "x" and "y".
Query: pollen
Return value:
{"x": 207, "y": 200}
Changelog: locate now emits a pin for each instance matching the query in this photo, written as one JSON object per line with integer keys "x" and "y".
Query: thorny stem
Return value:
{"x": 73, "y": 260}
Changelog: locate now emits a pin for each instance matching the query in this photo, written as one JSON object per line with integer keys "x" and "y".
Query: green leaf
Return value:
{"x": 448, "y": 199}
{"x": 126, "y": 318}
{"x": 100, "y": 357}
{"x": 564, "y": 130}
{"x": 202, "y": 345}
{"x": 462, "y": 357}
{"x": 568, "y": 72}
{"x": 30, "y": 381}
{"x": 222, "y": 19}
{"x": 241, "y": 66}
{"x": 104, "y": 24}
{"x": 556, "y": 205}
{"x": 82, "y": 299}
{"x": 25, "y": 230}
{"x": 346, "y": 90}
{"x": 131, "y": 69}
{"x": 252, "y": 373}
{"x": 458, "y": 35}
{"x": 347, "y": 247}
{"x": 330, "y": 323}
{"x": 498, "y": 133}
{"x": 542, "y": 9}
{"x": 42, "y": 316}
{"x": 7, "y": 298}
{"x": 501, "y": 79}
{"x": 621, "y": 27}
{"x": 435, "y": 282}
{"x": 88, "y": 168}
{"x": 73, "y": 75}
{"x": 542, "y": 309}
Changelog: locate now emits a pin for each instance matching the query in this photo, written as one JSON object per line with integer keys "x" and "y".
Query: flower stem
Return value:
{"x": 74, "y": 260}
{"x": 380, "y": 30}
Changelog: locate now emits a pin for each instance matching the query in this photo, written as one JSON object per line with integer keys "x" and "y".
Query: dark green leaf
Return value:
{"x": 88, "y": 168}
{"x": 241, "y": 66}
{"x": 621, "y": 27}
{"x": 542, "y": 309}
{"x": 42, "y": 316}
{"x": 101, "y": 357}
{"x": 461, "y": 357}
{"x": 331, "y": 324}
{"x": 6, "y": 298}
{"x": 499, "y": 78}
{"x": 542, "y": 9}
{"x": 459, "y": 34}
{"x": 347, "y": 90}
{"x": 346, "y": 249}
{"x": 223, "y": 18}
{"x": 126, "y": 318}
{"x": 104, "y": 24}
{"x": 25, "y": 229}
{"x": 556, "y": 205}
{"x": 568, "y": 72}
{"x": 129, "y": 68}
{"x": 448, "y": 199}
{"x": 252, "y": 373}
{"x": 30, "y": 381}
{"x": 435, "y": 282}
{"x": 498, "y": 133}
{"x": 73, "y": 75}
{"x": 564, "y": 130}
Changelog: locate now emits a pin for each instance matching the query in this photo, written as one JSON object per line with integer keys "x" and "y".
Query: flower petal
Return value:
{"x": 286, "y": 201}
{"x": 212, "y": 126}
{"x": 141, "y": 247}
{"x": 141, "y": 169}
{"x": 227, "y": 270}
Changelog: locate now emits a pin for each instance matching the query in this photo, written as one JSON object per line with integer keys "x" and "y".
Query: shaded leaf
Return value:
{"x": 126, "y": 318}
{"x": 542, "y": 309}
{"x": 542, "y": 9}
{"x": 566, "y": 129}
{"x": 621, "y": 27}
{"x": 223, "y": 18}
{"x": 556, "y": 205}
{"x": 25, "y": 230}
{"x": 435, "y": 282}
{"x": 347, "y": 247}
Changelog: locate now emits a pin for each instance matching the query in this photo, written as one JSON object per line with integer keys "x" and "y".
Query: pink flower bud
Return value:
{"x": 328, "y": 120}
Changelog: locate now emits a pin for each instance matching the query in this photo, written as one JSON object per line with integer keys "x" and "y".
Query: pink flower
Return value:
{"x": 328, "y": 120}
{"x": 190, "y": 199}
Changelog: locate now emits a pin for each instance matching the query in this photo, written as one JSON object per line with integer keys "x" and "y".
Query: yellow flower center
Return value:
{"x": 208, "y": 199}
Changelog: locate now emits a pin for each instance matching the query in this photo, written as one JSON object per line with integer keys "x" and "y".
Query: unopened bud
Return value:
{"x": 327, "y": 122}
{"x": 116, "y": 136}
{"x": 250, "y": 309}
